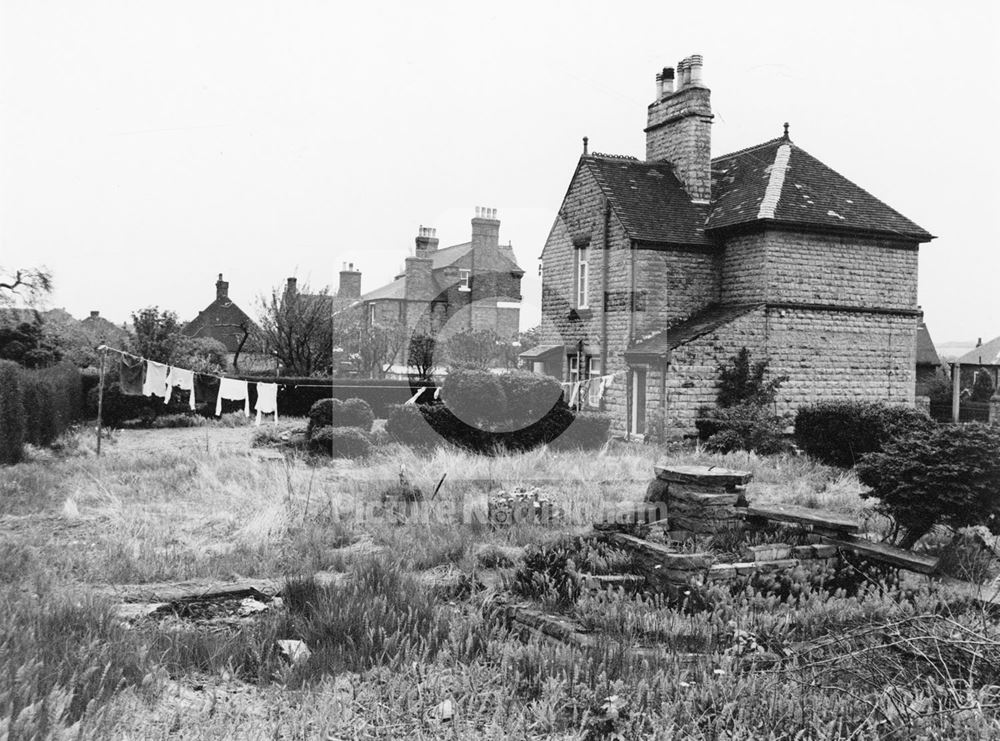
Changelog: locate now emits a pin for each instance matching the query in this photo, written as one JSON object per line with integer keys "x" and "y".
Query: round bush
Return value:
{"x": 840, "y": 432}
{"x": 476, "y": 397}
{"x": 340, "y": 442}
{"x": 530, "y": 396}
{"x": 406, "y": 425}
{"x": 337, "y": 413}
{"x": 588, "y": 431}
{"x": 947, "y": 474}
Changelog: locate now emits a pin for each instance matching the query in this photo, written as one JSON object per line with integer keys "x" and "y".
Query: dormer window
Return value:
{"x": 464, "y": 279}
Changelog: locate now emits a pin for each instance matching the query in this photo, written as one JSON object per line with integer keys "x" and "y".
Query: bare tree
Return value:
{"x": 24, "y": 284}
{"x": 378, "y": 345}
{"x": 420, "y": 355}
{"x": 296, "y": 326}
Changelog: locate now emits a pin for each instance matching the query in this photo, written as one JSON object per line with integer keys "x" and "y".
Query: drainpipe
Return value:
{"x": 629, "y": 391}
{"x": 604, "y": 305}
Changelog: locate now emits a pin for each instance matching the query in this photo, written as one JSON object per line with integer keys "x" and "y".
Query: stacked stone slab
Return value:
{"x": 701, "y": 500}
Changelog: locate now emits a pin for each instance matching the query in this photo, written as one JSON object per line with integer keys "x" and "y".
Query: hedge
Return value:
{"x": 340, "y": 442}
{"x": 36, "y": 406}
{"x": 336, "y": 413}
{"x": 840, "y": 432}
{"x": 297, "y": 394}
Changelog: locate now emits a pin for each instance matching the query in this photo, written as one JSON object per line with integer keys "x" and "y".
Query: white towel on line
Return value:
{"x": 155, "y": 383}
{"x": 233, "y": 390}
{"x": 182, "y": 379}
{"x": 267, "y": 400}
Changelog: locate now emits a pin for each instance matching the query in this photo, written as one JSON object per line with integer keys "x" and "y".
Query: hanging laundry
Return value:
{"x": 155, "y": 383}
{"x": 606, "y": 382}
{"x": 182, "y": 379}
{"x": 130, "y": 375}
{"x": 413, "y": 399}
{"x": 233, "y": 390}
{"x": 575, "y": 394}
{"x": 206, "y": 389}
{"x": 267, "y": 400}
{"x": 437, "y": 393}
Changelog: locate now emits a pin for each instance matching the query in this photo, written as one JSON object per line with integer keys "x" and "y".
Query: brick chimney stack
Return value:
{"x": 427, "y": 241}
{"x": 678, "y": 127}
{"x": 350, "y": 282}
{"x": 221, "y": 289}
{"x": 485, "y": 228}
{"x": 95, "y": 314}
{"x": 291, "y": 287}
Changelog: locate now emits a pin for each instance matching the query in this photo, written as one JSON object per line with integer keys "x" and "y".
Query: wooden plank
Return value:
{"x": 818, "y": 518}
{"x": 705, "y": 475}
{"x": 886, "y": 553}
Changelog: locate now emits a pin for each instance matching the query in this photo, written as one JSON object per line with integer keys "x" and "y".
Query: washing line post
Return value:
{"x": 100, "y": 395}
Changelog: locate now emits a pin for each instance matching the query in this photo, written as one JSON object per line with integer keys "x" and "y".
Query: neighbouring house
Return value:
{"x": 226, "y": 322}
{"x": 983, "y": 358}
{"x": 475, "y": 285}
{"x": 659, "y": 270}
{"x": 928, "y": 363}
{"x": 103, "y": 331}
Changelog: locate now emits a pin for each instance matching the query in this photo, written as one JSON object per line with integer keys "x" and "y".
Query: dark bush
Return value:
{"x": 930, "y": 475}
{"x": 340, "y": 442}
{"x": 840, "y": 432}
{"x": 587, "y": 431}
{"x": 406, "y": 425}
{"x": 337, "y": 413}
{"x": 12, "y": 418}
{"x": 982, "y": 386}
{"x": 746, "y": 426}
{"x": 476, "y": 397}
{"x": 530, "y": 396}
{"x": 742, "y": 382}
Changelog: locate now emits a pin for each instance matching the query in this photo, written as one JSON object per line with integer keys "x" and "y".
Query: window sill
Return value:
{"x": 465, "y": 289}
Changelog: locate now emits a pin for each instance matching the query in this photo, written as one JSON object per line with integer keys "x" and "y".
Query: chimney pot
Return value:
{"x": 94, "y": 314}
{"x": 668, "y": 81}
{"x": 221, "y": 289}
{"x": 659, "y": 85}
{"x": 694, "y": 70}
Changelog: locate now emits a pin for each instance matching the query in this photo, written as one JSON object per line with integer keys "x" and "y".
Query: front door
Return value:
{"x": 639, "y": 401}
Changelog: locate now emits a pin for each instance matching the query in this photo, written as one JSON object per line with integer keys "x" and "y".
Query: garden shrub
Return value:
{"x": 12, "y": 419}
{"x": 746, "y": 426}
{"x": 530, "y": 396}
{"x": 340, "y": 442}
{"x": 587, "y": 431}
{"x": 932, "y": 475}
{"x": 337, "y": 413}
{"x": 476, "y": 397}
{"x": 840, "y": 432}
{"x": 549, "y": 572}
{"x": 982, "y": 386}
{"x": 742, "y": 418}
{"x": 406, "y": 425}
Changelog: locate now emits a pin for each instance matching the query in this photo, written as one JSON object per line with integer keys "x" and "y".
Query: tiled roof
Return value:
{"x": 987, "y": 354}
{"x": 690, "y": 329}
{"x": 394, "y": 290}
{"x": 926, "y": 352}
{"x": 649, "y": 200}
{"x": 498, "y": 261}
{"x": 221, "y": 320}
{"x": 781, "y": 181}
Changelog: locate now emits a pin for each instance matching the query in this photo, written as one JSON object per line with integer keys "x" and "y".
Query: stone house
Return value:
{"x": 226, "y": 322}
{"x": 658, "y": 270}
{"x": 983, "y": 358}
{"x": 475, "y": 285}
{"x": 928, "y": 363}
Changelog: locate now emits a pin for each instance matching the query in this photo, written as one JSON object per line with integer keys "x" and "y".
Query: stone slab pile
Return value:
{"x": 701, "y": 500}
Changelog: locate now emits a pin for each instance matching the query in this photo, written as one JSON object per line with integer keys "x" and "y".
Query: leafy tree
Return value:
{"x": 156, "y": 334}
{"x": 948, "y": 474}
{"x": 24, "y": 285}
{"x": 200, "y": 354}
{"x": 298, "y": 327}
{"x": 480, "y": 349}
{"x": 982, "y": 387}
{"x": 27, "y": 344}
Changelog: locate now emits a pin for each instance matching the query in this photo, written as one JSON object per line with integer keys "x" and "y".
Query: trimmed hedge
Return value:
{"x": 588, "y": 431}
{"x": 407, "y": 425}
{"x": 12, "y": 422}
{"x": 340, "y": 442}
{"x": 840, "y": 432}
{"x": 36, "y": 406}
{"x": 297, "y": 394}
{"x": 336, "y": 413}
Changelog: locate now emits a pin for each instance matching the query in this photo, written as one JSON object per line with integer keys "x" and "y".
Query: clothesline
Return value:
{"x": 151, "y": 378}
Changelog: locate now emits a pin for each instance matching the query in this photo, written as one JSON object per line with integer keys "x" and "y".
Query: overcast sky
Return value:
{"x": 147, "y": 147}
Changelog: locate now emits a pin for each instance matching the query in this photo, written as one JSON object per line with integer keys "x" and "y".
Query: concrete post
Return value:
{"x": 956, "y": 390}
